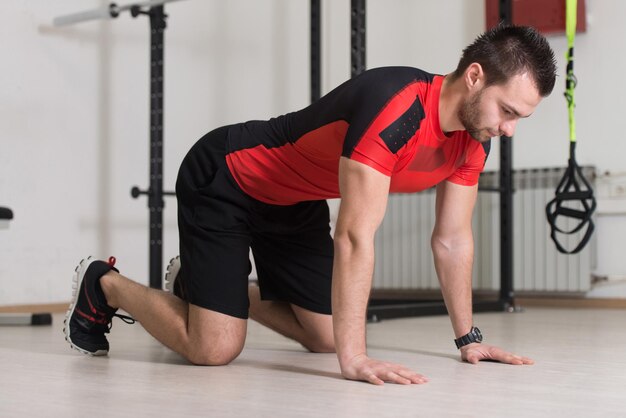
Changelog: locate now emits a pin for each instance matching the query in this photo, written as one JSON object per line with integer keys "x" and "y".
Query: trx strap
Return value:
{"x": 573, "y": 186}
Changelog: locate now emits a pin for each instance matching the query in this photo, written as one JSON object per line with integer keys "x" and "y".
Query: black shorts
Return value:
{"x": 219, "y": 224}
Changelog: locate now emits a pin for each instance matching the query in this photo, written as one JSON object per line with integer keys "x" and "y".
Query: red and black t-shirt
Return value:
{"x": 386, "y": 118}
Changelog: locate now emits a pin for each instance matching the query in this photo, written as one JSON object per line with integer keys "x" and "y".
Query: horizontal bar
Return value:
{"x": 82, "y": 17}
{"x": 581, "y": 195}
{"x": 490, "y": 189}
{"x": 108, "y": 12}
{"x": 572, "y": 213}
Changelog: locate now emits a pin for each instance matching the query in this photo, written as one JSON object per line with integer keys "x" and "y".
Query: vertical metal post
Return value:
{"x": 506, "y": 221}
{"x": 357, "y": 34}
{"x": 155, "y": 193}
{"x": 316, "y": 48}
{"x": 506, "y": 197}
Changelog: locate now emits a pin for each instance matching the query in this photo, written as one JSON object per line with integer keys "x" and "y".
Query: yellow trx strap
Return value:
{"x": 570, "y": 81}
{"x": 574, "y": 191}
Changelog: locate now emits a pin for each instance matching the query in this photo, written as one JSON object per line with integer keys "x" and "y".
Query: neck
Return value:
{"x": 450, "y": 100}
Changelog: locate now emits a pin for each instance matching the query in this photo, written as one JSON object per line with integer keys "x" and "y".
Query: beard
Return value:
{"x": 469, "y": 115}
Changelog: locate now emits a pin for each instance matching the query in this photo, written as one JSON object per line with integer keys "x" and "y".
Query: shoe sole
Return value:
{"x": 77, "y": 279}
{"x": 171, "y": 273}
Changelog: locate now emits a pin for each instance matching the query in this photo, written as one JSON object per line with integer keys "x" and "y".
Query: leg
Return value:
{"x": 209, "y": 325}
{"x": 293, "y": 252}
{"x": 313, "y": 330}
{"x": 200, "y": 335}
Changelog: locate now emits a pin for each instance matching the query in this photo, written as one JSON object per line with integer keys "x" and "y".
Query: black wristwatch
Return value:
{"x": 474, "y": 336}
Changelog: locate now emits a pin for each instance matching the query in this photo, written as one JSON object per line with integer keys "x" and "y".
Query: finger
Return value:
{"x": 413, "y": 377}
{"x": 406, "y": 373}
{"x": 417, "y": 379}
{"x": 375, "y": 380}
{"x": 394, "y": 377}
{"x": 514, "y": 359}
{"x": 472, "y": 359}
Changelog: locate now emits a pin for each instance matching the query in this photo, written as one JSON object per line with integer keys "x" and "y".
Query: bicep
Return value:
{"x": 364, "y": 193}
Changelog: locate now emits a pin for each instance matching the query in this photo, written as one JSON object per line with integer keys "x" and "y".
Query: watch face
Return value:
{"x": 478, "y": 334}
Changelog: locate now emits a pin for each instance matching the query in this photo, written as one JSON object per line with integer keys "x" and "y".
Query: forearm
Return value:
{"x": 364, "y": 192}
{"x": 352, "y": 278}
{"x": 453, "y": 263}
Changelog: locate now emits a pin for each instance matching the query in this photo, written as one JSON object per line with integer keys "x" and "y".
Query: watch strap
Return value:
{"x": 474, "y": 336}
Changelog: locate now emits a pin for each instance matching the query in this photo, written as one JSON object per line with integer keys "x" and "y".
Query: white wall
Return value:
{"x": 74, "y": 109}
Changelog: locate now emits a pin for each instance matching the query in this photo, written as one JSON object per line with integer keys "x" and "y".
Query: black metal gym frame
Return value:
{"x": 155, "y": 192}
{"x": 379, "y": 309}
{"x": 154, "y": 9}
{"x": 316, "y": 48}
{"x": 357, "y": 37}
{"x": 506, "y": 198}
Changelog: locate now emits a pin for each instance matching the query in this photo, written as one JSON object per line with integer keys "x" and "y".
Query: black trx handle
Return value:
{"x": 573, "y": 187}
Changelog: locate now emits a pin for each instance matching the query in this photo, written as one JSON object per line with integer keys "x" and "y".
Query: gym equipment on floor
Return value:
{"x": 6, "y": 215}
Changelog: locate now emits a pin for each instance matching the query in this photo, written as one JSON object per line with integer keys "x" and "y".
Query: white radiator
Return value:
{"x": 404, "y": 258}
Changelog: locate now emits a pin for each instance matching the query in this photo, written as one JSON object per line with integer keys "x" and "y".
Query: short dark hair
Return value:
{"x": 508, "y": 50}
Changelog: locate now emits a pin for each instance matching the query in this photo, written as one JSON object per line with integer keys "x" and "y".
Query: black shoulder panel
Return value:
{"x": 404, "y": 128}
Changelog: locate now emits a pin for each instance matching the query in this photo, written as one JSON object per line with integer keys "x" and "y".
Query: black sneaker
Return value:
{"x": 89, "y": 317}
{"x": 170, "y": 284}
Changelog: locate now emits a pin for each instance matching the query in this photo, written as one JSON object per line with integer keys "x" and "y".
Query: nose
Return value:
{"x": 507, "y": 128}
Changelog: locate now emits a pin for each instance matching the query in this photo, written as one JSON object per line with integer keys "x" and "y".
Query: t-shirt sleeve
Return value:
{"x": 469, "y": 172}
{"x": 395, "y": 123}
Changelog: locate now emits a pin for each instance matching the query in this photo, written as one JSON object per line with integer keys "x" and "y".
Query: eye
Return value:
{"x": 506, "y": 111}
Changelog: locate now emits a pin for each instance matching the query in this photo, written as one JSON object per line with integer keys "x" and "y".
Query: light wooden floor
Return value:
{"x": 580, "y": 371}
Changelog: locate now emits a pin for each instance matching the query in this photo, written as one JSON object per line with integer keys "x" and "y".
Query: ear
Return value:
{"x": 474, "y": 76}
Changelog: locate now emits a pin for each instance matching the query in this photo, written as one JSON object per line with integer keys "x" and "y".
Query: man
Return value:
{"x": 263, "y": 184}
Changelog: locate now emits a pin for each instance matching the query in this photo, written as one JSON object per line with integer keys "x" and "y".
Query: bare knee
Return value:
{"x": 213, "y": 339}
{"x": 213, "y": 353}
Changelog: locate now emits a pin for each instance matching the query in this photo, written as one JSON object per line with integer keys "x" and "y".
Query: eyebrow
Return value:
{"x": 515, "y": 111}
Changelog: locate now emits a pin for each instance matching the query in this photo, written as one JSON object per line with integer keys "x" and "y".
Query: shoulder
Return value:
{"x": 386, "y": 78}
{"x": 379, "y": 85}
{"x": 387, "y": 81}
{"x": 402, "y": 71}
{"x": 388, "y": 88}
